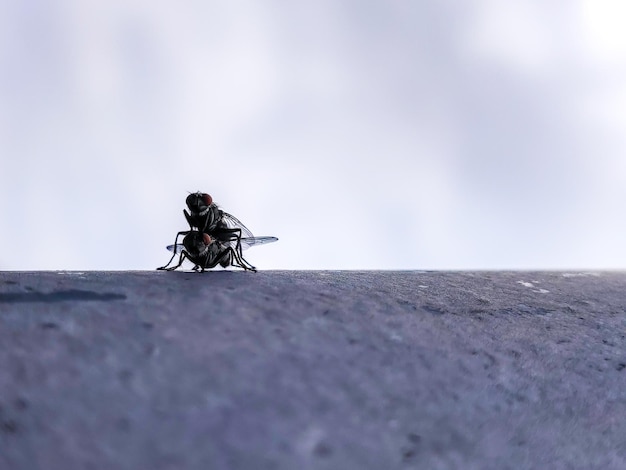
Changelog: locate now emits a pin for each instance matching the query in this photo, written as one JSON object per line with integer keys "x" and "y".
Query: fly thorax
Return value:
{"x": 211, "y": 216}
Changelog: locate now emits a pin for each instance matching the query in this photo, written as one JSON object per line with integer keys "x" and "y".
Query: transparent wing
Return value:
{"x": 233, "y": 222}
{"x": 246, "y": 243}
{"x": 254, "y": 241}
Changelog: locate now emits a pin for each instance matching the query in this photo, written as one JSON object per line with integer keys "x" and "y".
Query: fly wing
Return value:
{"x": 246, "y": 243}
{"x": 254, "y": 241}
{"x": 233, "y": 222}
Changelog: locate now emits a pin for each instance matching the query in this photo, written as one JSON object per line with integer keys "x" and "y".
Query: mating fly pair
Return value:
{"x": 215, "y": 237}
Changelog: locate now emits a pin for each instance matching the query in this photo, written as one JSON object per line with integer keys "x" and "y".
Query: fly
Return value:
{"x": 206, "y": 252}
{"x": 207, "y": 217}
{"x": 224, "y": 229}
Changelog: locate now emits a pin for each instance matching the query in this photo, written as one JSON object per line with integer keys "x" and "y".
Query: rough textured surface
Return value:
{"x": 312, "y": 370}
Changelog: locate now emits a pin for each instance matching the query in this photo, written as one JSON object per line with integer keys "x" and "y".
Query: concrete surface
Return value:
{"x": 312, "y": 370}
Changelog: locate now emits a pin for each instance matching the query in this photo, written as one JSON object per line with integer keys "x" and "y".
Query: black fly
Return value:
{"x": 226, "y": 234}
{"x": 206, "y": 253}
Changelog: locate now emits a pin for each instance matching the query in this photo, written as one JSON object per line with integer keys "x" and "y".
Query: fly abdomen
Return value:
{"x": 227, "y": 260}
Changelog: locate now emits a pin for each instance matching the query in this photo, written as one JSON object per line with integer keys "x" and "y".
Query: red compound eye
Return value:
{"x": 208, "y": 200}
{"x": 206, "y": 239}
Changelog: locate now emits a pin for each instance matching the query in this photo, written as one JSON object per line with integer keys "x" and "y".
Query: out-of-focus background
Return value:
{"x": 364, "y": 134}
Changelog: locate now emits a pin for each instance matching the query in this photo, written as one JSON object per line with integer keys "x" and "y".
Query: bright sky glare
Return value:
{"x": 374, "y": 135}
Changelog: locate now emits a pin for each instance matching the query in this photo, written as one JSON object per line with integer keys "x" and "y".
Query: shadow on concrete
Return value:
{"x": 59, "y": 296}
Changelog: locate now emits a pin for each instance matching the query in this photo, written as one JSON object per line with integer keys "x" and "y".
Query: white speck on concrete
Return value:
{"x": 532, "y": 286}
{"x": 585, "y": 274}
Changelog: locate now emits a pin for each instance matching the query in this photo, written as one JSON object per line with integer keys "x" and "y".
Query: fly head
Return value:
{"x": 196, "y": 243}
{"x": 199, "y": 203}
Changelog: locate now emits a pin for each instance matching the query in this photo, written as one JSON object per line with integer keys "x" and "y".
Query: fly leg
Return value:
{"x": 217, "y": 260}
{"x": 241, "y": 262}
{"x": 247, "y": 266}
{"x": 174, "y": 254}
{"x": 234, "y": 233}
{"x": 183, "y": 255}
{"x": 229, "y": 257}
{"x": 227, "y": 234}
{"x": 187, "y": 216}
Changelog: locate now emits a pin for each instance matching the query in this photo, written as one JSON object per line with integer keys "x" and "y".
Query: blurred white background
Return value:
{"x": 364, "y": 134}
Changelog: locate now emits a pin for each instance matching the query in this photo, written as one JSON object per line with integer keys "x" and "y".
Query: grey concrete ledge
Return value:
{"x": 312, "y": 370}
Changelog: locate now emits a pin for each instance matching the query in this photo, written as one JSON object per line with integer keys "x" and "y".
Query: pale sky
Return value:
{"x": 364, "y": 134}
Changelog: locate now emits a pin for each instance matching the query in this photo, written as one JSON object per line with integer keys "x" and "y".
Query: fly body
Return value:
{"x": 226, "y": 236}
{"x": 206, "y": 253}
{"x": 203, "y": 214}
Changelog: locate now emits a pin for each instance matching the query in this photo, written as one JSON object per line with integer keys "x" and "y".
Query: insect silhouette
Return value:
{"x": 226, "y": 234}
{"x": 206, "y": 253}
